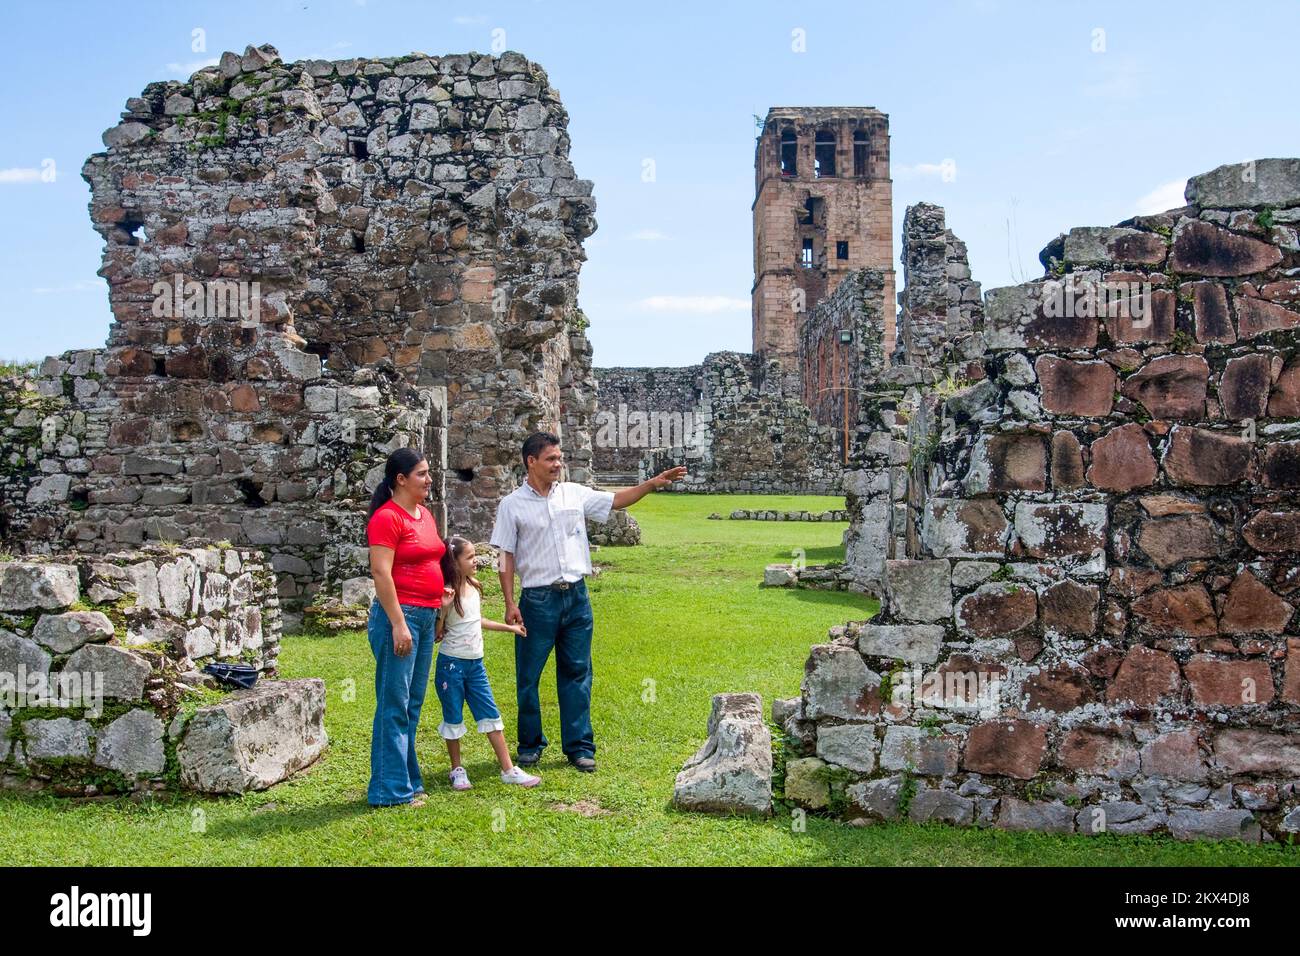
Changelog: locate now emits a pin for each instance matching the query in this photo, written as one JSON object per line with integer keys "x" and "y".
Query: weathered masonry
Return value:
{"x": 1081, "y": 504}
{"x": 310, "y": 264}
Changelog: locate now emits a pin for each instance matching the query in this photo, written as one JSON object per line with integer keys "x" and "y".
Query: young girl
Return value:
{"x": 459, "y": 675}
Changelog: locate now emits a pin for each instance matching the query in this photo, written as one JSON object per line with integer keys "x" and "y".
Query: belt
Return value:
{"x": 561, "y": 585}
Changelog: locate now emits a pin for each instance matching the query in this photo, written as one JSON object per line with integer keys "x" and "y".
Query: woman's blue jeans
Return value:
{"x": 400, "y": 686}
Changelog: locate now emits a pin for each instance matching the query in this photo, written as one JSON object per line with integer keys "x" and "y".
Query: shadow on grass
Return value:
{"x": 261, "y": 823}
{"x": 851, "y": 600}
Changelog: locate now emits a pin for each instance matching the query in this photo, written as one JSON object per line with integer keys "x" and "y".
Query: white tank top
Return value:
{"x": 464, "y": 635}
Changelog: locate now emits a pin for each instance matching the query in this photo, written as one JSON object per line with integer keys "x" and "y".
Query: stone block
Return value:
{"x": 64, "y": 633}
{"x": 806, "y": 783}
{"x": 132, "y": 744}
{"x": 852, "y": 746}
{"x": 913, "y": 643}
{"x": 838, "y": 683}
{"x": 255, "y": 738}
{"x": 26, "y": 586}
{"x": 1009, "y": 748}
{"x": 997, "y": 610}
{"x": 123, "y": 672}
{"x": 919, "y": 590}
{"x": 1039, "y": 816}
{"x": 1257, "y": 183}
{"x": 61, "y": 738}
{"x": 1171, "y": 386}
{"x": 732, "y": 771}
{"x": 1122, "y": 460}
{"x": 1146, "y": 678}
{"x": 918, "y": 750}
{"x": 1069, "y": 387}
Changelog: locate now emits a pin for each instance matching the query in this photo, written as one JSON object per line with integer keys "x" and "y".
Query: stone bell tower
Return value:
{"x": 823, "y": 207}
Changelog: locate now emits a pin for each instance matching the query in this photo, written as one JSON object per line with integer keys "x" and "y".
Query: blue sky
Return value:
{"x": 1044, "y": 130}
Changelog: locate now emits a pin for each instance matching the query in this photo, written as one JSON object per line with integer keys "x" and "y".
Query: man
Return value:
{"x": 541, "y": 530}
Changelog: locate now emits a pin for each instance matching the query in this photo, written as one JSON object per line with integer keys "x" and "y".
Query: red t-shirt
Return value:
{"x": 417, "y": 549}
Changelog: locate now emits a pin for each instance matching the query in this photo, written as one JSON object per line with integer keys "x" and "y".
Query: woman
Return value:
{"x": 405, "y": 552}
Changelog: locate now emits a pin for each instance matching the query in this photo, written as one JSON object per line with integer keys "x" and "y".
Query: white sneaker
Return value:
{"x": 459, "y": 779}
{"x": 520, "y": 776}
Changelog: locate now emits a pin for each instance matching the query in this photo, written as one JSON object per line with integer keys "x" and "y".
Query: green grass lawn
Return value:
{"x": 678, "y": 619}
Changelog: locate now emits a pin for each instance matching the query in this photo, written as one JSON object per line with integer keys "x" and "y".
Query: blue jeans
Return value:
{"x": 400, "y": 686}
{"x": 562, "y": 620}
{"x": 459, "y": 682}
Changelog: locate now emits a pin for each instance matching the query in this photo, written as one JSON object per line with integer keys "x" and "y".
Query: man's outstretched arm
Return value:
{"x": 630, "y": 496}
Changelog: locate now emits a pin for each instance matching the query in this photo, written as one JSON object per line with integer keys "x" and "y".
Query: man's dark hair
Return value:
{"x": 536, "y": 443}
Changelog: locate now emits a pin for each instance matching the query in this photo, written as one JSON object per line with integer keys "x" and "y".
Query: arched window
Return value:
{"x": 824, "y": 154}
{"x": 789, "y": 150}
{"x": 860, "y": 152}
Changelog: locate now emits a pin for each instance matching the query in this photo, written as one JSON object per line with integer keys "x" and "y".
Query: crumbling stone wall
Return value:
{"x": 834, "y": 373}
{"x": 755, "y": 438}
{"x": 414, "y": 215}
{"x": 101, "y": 682}
{"x": 938, "y": 353}
{"x": 940, "y": 302}
{"x": 99, "y": 461}
{"x": 638, "y": 408}
{"x": 1094, "y": 626}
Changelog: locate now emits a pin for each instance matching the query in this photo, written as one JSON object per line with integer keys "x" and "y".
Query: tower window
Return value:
{"x": 806, "y": 256}
{"x": 841, "y": 249}
{"x": 789, "y": 151}
{"x": 824, "y": 154}
{"x": 860, "y": 147}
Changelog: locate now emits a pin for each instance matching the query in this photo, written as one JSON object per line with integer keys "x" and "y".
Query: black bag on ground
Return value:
{"x": 233, "y": 675}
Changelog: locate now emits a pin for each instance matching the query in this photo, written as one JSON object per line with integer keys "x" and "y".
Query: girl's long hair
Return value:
{"x": 451, "y": 576}
{"x": 401, "y": 462}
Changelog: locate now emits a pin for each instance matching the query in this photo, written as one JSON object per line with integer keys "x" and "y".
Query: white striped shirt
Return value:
{"x": 548, "y": 534}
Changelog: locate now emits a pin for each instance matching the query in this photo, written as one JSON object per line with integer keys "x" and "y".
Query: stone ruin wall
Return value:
{"x": 415, "y": 229}
{"x": 834, "y": 373}
{"x": 666, "y": 392}
{"x": 1104, "y": 526}
{"x": 103, "y": 689}
{"x": 755, "y": 438}
{"x": 940, "y": 303}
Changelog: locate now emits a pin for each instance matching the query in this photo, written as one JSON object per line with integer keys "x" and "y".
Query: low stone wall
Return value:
{"x": 755, "y": 439}
{"x": 815, "y": 577}
{"x": 620, "y": 529}
{"x": 286, "y": 466}
{"x": 101, "y": 676}
{"x": 745, "y": 514}
{"x": 640, "y": 408}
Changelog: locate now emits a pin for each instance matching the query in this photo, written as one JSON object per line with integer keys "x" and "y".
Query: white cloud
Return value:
{"x": 649, "y": 235}
{"x": 696, "y": 304}
{"x": 1165, "y": 196}
{"x": 946, "y": 171}
{"x": 189, "y": 69}
{"x": 20, "y": 174}
{"x": 80, "y": 285}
